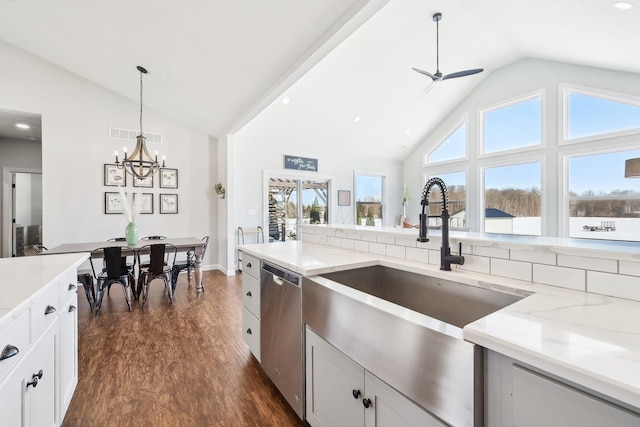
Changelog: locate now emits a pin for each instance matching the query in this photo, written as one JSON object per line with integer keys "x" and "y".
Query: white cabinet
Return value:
{"x": 37, "y": 382}
{"x": 340, "y": 392}
{"x": 519, "y": 395}
{"x": 251, "y": 303}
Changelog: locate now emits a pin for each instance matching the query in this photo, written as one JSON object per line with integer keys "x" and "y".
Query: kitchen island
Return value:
{"x": 585, "y": 341}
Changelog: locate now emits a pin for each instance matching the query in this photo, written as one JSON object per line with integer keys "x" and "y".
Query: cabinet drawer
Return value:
{"x": 251, "y": 266}
{"x": 251, "y": 332}
{"x": 251, "y": 295}
{"x": 44, "y": 311}
{"x": 16, "y": 334}
{"x": 68, "y": 287}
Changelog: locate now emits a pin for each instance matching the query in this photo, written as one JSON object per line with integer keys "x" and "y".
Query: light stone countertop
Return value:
{"x": 25, "y": 278}
{"x": 589, "y": 339}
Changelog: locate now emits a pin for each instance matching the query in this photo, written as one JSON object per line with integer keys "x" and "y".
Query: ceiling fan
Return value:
{"x": 437, "y": 17}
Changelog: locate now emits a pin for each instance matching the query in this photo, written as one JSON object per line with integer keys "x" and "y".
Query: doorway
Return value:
{"x": 26, "y": 212}
{"x": 293, "y": 201}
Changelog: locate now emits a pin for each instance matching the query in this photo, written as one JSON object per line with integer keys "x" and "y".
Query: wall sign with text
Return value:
{"x": 300, "y": 163}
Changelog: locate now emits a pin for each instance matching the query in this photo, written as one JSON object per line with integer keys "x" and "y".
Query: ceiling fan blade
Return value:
{"x": 427, "y": 89}
{"x": 426, "y": 73}
{"x": 462, "y": 73}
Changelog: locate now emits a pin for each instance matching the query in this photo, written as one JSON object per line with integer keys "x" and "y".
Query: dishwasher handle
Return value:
{"x": 278, "y": 280}
{"x": 281, "y": 275}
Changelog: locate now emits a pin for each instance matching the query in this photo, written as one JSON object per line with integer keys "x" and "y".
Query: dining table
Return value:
{"x": 182, "y": 244}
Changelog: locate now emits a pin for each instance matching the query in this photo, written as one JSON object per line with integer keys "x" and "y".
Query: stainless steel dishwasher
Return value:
{"x": 281, "y": 342}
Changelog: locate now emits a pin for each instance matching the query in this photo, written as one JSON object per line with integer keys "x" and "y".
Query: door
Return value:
{"x": 292, "y": 202}
{"x": 26, "y": 202}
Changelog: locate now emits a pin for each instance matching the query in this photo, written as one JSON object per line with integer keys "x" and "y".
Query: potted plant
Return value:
{"x": 220, "y": 190}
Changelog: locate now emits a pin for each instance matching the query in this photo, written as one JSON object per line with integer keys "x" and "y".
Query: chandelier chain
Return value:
{"x": 141, "y": 102}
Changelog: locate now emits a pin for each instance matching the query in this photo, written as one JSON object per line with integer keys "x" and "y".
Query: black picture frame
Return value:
{"x": 114, "y": 175}
{"x": 168, "y": 178}
{"x": 168, "y": 203}
{"x": 146, "y": 203}
{"x": 113, "y": 203}
{"x": 143, "y": 183}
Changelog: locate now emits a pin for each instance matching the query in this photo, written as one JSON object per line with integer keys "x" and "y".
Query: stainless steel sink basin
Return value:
{"x": 406, "y": 328}
{"x": 451, "y": 302}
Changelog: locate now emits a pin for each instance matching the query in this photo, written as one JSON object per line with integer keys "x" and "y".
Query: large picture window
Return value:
{"x": 452, "y": 147}
{"x": 456, "y": 183}
{"x": 516, "y": 125}
{"x": 602, "y": 203}
{"x": 369, "y": 197}
{"x": 512, "y": 199}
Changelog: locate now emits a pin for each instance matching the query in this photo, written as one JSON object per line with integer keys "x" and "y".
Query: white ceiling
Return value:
{"x": 214, "y": 64}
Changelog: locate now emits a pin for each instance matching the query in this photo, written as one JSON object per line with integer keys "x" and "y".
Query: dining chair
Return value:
{"x": 84, "y": 277}
{"x": 162, "y": 258}
{"x": 153, "y": 238}
{"x": 188, "y": 264}
{"x": 111, "y": 273}
{"x": 123, "y": 261}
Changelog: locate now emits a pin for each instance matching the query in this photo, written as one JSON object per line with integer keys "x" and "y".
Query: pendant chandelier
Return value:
{"x": 140, "y": 164}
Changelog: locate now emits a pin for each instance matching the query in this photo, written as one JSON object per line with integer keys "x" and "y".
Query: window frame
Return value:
{"x": 458, "y": 168}
{"x": 564, "y": 90}
{"x": 539, "y": 93}
{"x": 383, "y": 189}
{"x": 464, "y": 120}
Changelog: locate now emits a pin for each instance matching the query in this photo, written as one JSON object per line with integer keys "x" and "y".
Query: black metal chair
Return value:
{"x": 84, "y": 277}
{"x": 162, "y": 258}
{"x": 111, "y": 273}
{"x": 189, "y": 264}
{"x": 153, "y": 238}
{"x": 123, "y": 261}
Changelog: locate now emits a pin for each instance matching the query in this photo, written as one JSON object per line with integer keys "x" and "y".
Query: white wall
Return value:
{"x": 76, "y": 115}
{"x": 515, "y": 80}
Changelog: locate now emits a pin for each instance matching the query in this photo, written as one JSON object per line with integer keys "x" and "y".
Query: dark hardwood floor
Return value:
{"x": 172, "y": 365}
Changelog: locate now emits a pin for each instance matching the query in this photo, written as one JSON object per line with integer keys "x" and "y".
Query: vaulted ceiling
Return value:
{"x": 223, "y": 66}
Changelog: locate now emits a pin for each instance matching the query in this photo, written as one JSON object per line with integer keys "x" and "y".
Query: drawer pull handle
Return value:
{"x": 249, "y": 294}
{"x": 249, "y": 331}
{"x": 34, "y": 379}
{"x": 248, "y": 265}
{"x": 366, "y": 402}
{"x": 72, "y": 287}
{"x": 49, "y": 310}
{"x": 72, "y": 308}
{"x": 9, "y": 351}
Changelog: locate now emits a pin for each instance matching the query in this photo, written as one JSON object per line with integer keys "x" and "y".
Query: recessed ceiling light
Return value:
{"x": 623, "y": 5}
{"x": 285, "y": 100}
{"x": 356, "y": 119}
{"x": 22, "y": 126}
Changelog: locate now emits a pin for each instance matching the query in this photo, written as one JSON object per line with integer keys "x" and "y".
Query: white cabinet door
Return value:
{"x": 251, "y": 332}
{"x": 12, "y": 397}
{"x": 388, "y": 408}
{"x": 40, "y": 397}
{"x": 542, "y": 401}
{"x": 335, "y": 385}
{"x": 68, "y": 354}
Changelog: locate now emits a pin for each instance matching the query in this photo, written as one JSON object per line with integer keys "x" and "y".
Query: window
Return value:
{"x": 452, "y": 147}
{"x": 369, "y": 197}
{"x": 514, "y": 126}
{"x": 602, "y": 203}
{"x": 590, "y": 114}
{"x": 512, "y": 199}
{"x": 456, "y": 183}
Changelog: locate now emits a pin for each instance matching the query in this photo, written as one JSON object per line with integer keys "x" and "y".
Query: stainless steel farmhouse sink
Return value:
{"x": 406, "y": 328}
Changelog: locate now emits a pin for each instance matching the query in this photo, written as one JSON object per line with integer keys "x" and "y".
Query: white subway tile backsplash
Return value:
{"x": 616, "y": 285}
{"x": 431, "y": 244}
{"x": 479, "y": 264}
{"x": 334, "y": 241}
{"x": 361, "y": 246}
{"x": 395, "y": 251}
{"x": 416, "y": 254}
{"x": 369, "y": 236}
{"x": 597, "y": 264}
{"x": 401, "y": 241}
{"x": 513, "y": 269}
{"x": 348, "y": 244}
{"x": 377, "y": 248}
{"x": 491, "y": 252}
{"x": 311, "y": 238}
{"x": 434, "y": 257}
{"x": 533, "y": 256}
{"x": 388, "y": 240}
{"x": 570, "y": 278}
{"x": 629, "y": 268}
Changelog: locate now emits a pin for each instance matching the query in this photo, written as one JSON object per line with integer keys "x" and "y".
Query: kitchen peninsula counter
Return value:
{"x": 588, "y": 339}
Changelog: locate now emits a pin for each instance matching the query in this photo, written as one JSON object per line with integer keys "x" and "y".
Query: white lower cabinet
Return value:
{"x": 68, "y": 360}
{"x": 251, "y": 304}
{"x": 340, "y": 392}
{"x": 523, "y": 397}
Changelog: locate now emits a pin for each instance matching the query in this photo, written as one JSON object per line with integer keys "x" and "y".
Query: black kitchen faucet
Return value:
{"x": 446, "y": 259}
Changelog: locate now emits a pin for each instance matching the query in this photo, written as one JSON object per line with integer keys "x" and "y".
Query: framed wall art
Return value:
{"x": 168, "y": 178}
{"x": 168, "y": 203}
{"x": 114, "y": 176}
{"x": 112, "y": 203}
{"x": 145, "y": 203}
{"x": 144, "y": 182}
{"x": 344, "y": 198}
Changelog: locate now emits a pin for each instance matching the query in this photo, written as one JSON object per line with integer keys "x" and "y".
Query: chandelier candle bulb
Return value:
{"x": 116, "y": 156}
